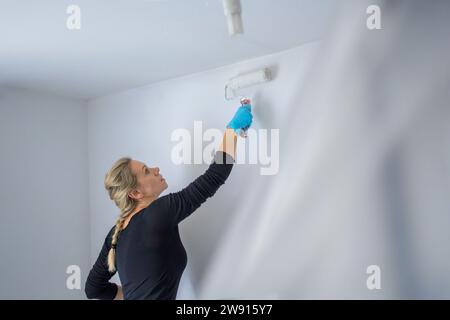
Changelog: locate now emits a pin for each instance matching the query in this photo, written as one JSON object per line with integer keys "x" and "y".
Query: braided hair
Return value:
{"x": 119, "y": 181}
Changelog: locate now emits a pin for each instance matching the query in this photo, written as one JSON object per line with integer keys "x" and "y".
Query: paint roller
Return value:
{"x": 243, "y": 81}
{"x": 246, "y": 80}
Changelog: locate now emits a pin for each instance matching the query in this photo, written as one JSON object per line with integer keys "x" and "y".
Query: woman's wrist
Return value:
{"x": 230, "y": 130}
{"x": 228, "y": 144}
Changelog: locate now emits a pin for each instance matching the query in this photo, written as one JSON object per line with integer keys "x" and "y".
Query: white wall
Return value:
{"x": 139, "y": 122}
{"x": 43, "y": 195}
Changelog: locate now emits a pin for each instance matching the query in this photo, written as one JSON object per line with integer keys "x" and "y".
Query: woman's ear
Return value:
{"x": 134, "y": 194}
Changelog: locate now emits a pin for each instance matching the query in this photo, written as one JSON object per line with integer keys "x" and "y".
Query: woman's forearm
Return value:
{"x": 228, "y": 144}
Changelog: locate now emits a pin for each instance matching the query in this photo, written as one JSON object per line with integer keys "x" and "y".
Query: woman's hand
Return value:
{"x": 242, "y": 119}
{"x": 119, "y": 294}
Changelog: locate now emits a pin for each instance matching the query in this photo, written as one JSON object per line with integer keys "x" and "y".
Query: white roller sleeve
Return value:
{"x": 249, "y": 79}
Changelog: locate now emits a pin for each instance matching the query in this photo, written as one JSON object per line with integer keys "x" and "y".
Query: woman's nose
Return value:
{"x": 156, "y": 170}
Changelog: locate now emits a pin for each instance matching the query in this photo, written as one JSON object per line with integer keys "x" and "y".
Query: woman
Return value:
{"x": 145, "y": 246}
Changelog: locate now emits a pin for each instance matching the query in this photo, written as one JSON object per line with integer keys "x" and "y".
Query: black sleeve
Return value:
{"x": 181, "y": 204}
{"x": 97, "y": 283}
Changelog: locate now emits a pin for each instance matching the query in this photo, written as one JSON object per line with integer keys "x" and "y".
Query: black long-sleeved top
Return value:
{"x": 150, "y": 256}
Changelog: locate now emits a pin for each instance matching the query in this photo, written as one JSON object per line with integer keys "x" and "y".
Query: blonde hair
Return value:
{"x": 119, "y": 181}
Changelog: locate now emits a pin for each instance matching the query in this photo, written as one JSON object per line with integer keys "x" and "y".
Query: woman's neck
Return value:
{"x": 143, "y": 204}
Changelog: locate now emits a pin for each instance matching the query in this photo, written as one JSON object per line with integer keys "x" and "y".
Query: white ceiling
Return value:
{"x": 130, "y": 43}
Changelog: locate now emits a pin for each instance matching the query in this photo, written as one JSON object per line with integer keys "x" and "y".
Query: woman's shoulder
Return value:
{"x": 158, "y": 210}
{"x": 158, "y": 204}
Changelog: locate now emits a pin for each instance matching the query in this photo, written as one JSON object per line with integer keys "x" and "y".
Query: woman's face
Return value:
{"x": 150, "y": 183}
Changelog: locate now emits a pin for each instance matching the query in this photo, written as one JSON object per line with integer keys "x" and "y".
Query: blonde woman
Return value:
{"x": 144, "y": 246}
